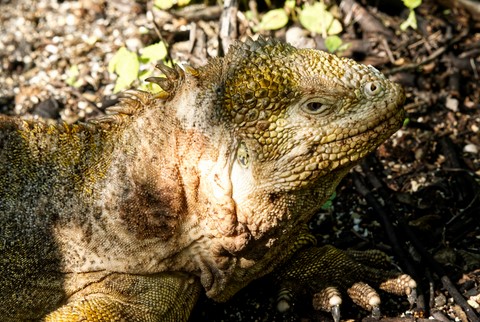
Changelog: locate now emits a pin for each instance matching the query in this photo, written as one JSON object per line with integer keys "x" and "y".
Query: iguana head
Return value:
{"x": 301, "y": 119}
{"x": 295, "y": 121}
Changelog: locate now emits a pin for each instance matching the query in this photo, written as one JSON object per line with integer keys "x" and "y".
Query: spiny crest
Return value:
{"x": 131, "y": 102}
{"x": 173, "y": 80}
{"x": 32, "y": 128}
{"x": 170, "y": 82}
{"x": 134, "y": 101}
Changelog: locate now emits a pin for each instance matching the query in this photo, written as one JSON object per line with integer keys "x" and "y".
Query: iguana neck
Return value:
{"x": 173, "y": 161}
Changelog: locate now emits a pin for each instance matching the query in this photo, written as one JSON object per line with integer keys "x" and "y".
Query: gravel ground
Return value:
{"x": 41, "y": 40}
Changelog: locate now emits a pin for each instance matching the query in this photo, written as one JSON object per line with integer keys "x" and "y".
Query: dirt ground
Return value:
{"x": 417, "y": 198}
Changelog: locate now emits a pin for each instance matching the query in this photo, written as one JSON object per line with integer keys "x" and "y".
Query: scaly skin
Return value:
{"x": 205, "y": 185}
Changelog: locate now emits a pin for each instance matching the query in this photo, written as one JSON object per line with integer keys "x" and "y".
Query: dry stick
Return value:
{"x": 387, "y": 225}
{"x": 446, "y": 282}
{"x": 371, "y": 319}
{"x": 157, "y": 31}
{"x": 368, "y": 22}
{"x": 465, "y": 184}
{"x": 384, "y": 217}
{"x": 228, "y": 25}
{"x": 390, "y": 231}
{"x": 196, "y": 13}
{"x": 437, "y": 53}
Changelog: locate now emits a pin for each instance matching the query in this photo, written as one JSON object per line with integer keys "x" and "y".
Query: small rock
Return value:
{"x": 470, "y": 148}
{"x": 71, "y": 20}
{"x": 298, "y": 37}
{"x": 452, "y": 104}
{"x": 6, "y": 103}
{"x": 440, "y": 300}
{"x": 446, "y": 256}
{"x": 52, "y": 49}
{"x": 473, "y": 304}
{"x": 133, "y": 44}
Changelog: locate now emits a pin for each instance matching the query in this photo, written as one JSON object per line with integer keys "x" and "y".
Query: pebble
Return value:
{"x": 470, "y": 148}
{"x": 133, "y": 44}
{"x": 71, "y": 20}
{"x": 473, "y": 304}
{"x": 47, "y": 109}
{"x": 440, "y": 300}
{"x": 51, "y": 49}
{"x": 452, "y": 104}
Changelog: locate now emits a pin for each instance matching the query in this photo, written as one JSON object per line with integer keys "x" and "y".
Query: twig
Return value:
{"x": 368, "y": 22}
{"x": 387, "y": 319}
{"x": 228, "y": 25}
{"x": 446, "y": 282}
{"x": 437, "y": 53}
{"x": 386, "y": 223}
{"x": 156, "y": 27}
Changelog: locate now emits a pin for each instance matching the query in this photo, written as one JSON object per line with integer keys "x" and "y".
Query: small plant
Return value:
{"x": 335, "y": 44}
{"x": 273, "y": 20}
{"x": 73, "y": 80}
{"x": 167, "y": 4}
{"x": 315, "y": 17}
{"x": 318, "y": 19}
{"x": 328, "y": 205}
{"x": 411, "y": 21}
{"x": 128, "y": 66}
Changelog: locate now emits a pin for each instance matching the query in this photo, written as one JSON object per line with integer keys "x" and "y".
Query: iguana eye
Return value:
{"x": 316, "y": 108}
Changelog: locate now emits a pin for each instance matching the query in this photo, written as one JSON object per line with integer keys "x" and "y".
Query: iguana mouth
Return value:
{"x": 359, "y": 141}
{"x": 390, "y": 123}
{"x": 369, "y": 139}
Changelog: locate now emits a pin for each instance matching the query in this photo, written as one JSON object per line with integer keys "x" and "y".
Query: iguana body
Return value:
{"x": 206, "y": 184}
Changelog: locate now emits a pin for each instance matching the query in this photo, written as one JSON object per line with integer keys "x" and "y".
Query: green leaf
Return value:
{"x": 343, "y": 47}
{"x": 154, "y": 53}
{"x": 273, "y": 20}
{"x": 329, "y": 203}
{"x": 410, "y": 22}
{"x": 148, "y": 86}
{"x": 412, "y": 4}
{"x": 333, "y": 43}
{"x": 316, "y": 18}
{"x": 249, "y": 15}
{"x": 290, "y": 4}
{"x": 164, "y": 4}
{"x": 335, "y": 28}
{"x": 183, "y": 3}
{"x": 125, "y": 64}
{"x": 73, "y": 74}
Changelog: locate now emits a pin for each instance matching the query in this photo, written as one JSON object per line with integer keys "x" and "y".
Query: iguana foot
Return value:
{"x": 327, "y": 273}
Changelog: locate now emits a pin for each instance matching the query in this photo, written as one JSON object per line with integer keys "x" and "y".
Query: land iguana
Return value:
{"x": 203, "y": 187}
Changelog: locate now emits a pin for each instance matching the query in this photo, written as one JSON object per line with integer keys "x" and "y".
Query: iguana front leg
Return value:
{"x": 326, "y": 272}
{"x": 120, "y": 297}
